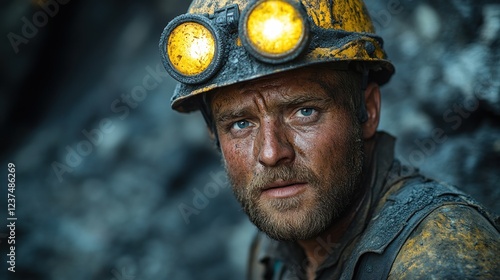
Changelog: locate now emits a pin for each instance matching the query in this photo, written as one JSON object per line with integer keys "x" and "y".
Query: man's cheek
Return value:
{"x": 235, "y": 170}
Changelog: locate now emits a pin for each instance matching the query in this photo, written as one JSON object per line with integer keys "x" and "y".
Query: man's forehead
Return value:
{"x": 307, "y": 80}
{"x": 310, "y": 73}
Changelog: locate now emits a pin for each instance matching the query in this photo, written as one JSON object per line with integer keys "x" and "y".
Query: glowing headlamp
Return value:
{"x": 274, "y": 31}
{"x": 193, "y": 46}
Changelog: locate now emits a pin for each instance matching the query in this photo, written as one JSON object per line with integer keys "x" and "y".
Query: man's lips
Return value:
{"x": 283, "y": 189}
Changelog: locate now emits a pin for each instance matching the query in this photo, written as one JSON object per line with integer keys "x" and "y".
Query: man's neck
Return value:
{"x": 315, "y": 248}
{"x": 319, "y": 248}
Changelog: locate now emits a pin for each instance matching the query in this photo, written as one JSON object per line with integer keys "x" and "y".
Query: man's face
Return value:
{"x": 293, "y": 154}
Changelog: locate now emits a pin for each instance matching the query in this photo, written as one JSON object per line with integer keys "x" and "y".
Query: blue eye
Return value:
{"x": 241, "y": 124}
{"x": 306, "y": 112}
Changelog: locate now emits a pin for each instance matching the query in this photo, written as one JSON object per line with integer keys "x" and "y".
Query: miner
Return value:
{"x": 290, "y": 91}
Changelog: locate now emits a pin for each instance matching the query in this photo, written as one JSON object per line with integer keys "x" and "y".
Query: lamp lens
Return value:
{"x": 275, "y": 28}
{"x": 191, "y": 48}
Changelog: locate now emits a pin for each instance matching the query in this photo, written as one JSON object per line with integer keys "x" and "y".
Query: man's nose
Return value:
{"x": 273, "y": 145}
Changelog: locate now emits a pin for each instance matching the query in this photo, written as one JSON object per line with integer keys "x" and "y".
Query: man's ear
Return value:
{"x": 372, "y": 102}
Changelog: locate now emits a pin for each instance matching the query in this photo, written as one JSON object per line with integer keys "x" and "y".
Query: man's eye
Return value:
{"x": 241, "y": 125}
{"x": 306, "y": 112}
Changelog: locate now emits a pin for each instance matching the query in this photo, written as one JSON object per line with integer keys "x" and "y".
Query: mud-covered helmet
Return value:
{"x": 223, "y": 42}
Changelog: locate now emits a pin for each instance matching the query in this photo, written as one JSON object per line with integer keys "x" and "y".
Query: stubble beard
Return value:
{"x": 303, "y": 217}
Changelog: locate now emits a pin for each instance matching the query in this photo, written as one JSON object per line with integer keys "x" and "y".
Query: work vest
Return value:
{"x": 401, "y": 214}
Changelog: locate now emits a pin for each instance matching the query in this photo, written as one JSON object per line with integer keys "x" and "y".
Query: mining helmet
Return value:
{"x": 223, "y": 42}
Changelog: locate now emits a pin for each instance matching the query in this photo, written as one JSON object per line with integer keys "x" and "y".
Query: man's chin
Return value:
{"x": 290, "y": 224}
{"x": 281, "y": 206}
{"x": 291, "y": 234}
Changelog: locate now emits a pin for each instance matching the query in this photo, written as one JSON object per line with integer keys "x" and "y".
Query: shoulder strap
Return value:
{"x": 387, "y": 232}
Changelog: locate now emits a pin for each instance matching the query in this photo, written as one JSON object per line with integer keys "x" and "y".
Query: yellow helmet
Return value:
{"x": 223, "y": 42}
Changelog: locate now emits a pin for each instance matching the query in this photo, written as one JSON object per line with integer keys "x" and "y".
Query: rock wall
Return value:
{"x": 444, "y": 101}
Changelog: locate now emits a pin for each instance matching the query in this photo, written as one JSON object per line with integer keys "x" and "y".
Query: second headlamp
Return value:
{"x": 193, "y": 47}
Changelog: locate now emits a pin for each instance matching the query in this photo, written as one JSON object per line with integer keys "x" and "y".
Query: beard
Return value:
{"x": 308, "y": 214}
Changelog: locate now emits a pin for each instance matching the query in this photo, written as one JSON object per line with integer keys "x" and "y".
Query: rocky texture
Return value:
{"x": 101, "y": 178}
{"x": 444, "y": 101}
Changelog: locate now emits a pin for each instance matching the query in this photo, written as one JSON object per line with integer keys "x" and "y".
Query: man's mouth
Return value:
{"x": 283, "y": 189}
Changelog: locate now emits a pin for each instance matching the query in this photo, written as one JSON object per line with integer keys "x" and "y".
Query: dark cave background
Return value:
{"x": 113, "y": 213}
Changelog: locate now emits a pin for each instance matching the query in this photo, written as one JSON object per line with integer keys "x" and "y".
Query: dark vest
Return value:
{"x": 401, "y": 214}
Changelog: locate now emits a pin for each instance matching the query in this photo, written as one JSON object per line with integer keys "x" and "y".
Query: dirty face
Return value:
{"x": 292, "y": 151}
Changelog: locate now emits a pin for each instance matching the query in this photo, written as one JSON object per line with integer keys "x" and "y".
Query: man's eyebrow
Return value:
{"x": 304, "y": 99}
{"x": 231, "y": 115}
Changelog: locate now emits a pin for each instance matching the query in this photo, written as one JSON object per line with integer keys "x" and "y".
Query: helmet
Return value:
{"x": 223, "y": 42}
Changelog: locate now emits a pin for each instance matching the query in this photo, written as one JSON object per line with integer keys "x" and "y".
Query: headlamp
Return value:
{"x": 193, "y": 46}
{"x": 274, "y": 31}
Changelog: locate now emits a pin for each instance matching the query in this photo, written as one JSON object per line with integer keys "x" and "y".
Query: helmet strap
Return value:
{"x": 362, "y": 113}
{"x": 207, "y": 115}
